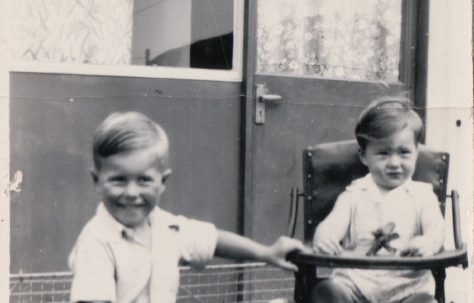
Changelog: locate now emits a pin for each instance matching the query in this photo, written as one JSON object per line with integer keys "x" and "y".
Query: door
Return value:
{"x": 321, "y": 62}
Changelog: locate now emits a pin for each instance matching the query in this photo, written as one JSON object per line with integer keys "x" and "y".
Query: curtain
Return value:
{"x": 79, "y": 31}
{"x": 341, "y": 39}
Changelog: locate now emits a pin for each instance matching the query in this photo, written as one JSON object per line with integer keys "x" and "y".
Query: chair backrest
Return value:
{"x": 328, "y": 168}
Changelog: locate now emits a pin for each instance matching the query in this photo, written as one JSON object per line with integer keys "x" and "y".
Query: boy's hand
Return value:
{"x": 278, "y": 251}
{"x": 420, "y": 246}
{"x": 326, "y": 245}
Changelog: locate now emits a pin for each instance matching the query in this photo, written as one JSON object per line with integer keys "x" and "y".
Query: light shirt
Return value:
{"x": 361, "y": 209}
{"x": 141, "y": 235}
{"x": 111, "y": 262}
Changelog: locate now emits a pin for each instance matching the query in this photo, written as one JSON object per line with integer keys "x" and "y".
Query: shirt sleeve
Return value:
{"x": 93, "y": 269}
{"x": 431, "y": 219}
{"x": 198, "y": 241}
{"x": 336, "y": 224}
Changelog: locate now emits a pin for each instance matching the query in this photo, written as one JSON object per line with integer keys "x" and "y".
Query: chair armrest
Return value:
{"x": 446, "y": 258}
{"x": 456, "y": 220}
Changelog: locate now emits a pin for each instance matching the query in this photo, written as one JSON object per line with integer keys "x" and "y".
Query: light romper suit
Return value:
{"x": 406, "y": 206}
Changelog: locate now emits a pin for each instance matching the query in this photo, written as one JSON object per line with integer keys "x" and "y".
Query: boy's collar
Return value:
{"x": 114, "y": 229}
{"x": 367, "y": 183}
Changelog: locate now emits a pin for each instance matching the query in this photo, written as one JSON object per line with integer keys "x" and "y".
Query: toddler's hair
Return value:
{"x": 123, "y": 132}
{"x": 385, "y": 117}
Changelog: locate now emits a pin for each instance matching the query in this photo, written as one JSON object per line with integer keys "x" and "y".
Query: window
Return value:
{"x": 350, "y": 40}
{"x": 196, "y": 34}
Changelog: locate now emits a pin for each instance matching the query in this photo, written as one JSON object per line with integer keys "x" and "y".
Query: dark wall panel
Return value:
{"x": 52, "y": 119}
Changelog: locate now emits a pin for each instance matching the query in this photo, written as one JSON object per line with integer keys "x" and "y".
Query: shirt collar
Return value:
{"x": 367, "y": 183}
{"x": 115, "y": 230}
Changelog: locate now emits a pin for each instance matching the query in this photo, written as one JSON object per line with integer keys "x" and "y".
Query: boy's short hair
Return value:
{"x": 123, "y": 132}
{"x": 385, "y": 117}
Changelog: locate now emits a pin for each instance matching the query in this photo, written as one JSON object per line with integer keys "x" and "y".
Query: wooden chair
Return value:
{"x": 328, "y": 169}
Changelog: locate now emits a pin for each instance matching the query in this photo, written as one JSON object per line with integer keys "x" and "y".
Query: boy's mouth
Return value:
{"x": 132, "y": 205}
{"x": 395, "y": 175}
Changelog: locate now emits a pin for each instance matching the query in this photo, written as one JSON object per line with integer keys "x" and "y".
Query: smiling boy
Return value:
{"x": 130, "y": 250}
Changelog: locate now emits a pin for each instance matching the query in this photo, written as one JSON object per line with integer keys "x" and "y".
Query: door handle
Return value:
{"x": 261, "y": 98}
{"x": 266, "y": 98}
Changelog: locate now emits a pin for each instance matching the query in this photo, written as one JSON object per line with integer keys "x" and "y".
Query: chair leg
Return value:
{"x": 299, "y": 286}
{"x": 439, "y": 276}
{"x": 305, "y": 279}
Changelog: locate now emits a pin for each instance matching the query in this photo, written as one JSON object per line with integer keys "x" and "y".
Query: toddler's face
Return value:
{"x": 391, "y": 161}
{"x": 131, "y": 185}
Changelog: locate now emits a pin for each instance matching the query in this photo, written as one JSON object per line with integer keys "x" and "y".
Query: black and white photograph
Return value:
{"x": 221, "y": 151}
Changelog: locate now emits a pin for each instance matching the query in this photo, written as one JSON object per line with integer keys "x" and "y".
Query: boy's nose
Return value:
{"x": 394, "y": 161}
{"x": 131, "y": 191}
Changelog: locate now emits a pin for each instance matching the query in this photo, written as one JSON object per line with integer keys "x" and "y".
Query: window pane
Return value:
{"x": 184, "y": 33}
{"x": 354, "y": 40}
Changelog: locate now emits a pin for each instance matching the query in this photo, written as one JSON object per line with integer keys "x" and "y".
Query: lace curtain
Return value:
{"x": 342, "y": 39}
{"x": 79, "y": 31}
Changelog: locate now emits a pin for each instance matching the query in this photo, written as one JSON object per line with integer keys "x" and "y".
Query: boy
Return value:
{"x": 388, "y": 133}
{"x": 130, "y": 250}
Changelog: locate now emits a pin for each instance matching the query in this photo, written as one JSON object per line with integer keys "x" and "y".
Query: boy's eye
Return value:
{"x": 145, "y": 179}
{"x": 382, "y": 152}
{"x": 405, "y": 152}
{"x": 117, "y": 180}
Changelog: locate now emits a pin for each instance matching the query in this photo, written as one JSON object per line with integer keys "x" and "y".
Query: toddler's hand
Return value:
{"x": 326, "y": 245}
{"x": 420, "y": 246}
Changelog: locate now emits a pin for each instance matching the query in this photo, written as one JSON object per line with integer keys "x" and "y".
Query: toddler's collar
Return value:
{"x": 368, "y": 184}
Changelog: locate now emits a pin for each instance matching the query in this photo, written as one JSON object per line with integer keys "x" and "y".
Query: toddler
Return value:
{"x": 388, "y": 133}
{"x": 130, "y": 250}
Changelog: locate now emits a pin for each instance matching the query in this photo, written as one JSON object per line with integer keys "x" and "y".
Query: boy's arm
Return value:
{"x": 233, "y": 246}
{"x": 333, "y": 228}
{"x": 432, "y": 225}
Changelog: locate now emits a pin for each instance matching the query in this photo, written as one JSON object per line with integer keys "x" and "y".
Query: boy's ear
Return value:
{"x": 165, "y": 175}
{"x": 95, "y": 177}
{"x": 362, "y": 156}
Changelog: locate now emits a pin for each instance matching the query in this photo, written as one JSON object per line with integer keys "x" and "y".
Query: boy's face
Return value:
{"x": 391, "y": 161}
{"x": 131, "y": 185}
